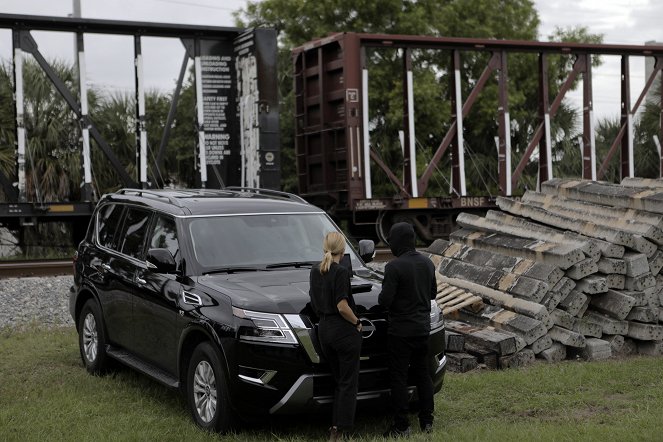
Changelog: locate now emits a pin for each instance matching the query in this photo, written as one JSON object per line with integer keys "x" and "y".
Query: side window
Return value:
{"x": 108, "y": 221}
{"x": 135, "y": 230}
{"x": 164, "y": 236}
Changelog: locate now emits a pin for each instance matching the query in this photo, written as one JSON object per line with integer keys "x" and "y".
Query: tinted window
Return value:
{"x": 164, "y": 236}
{"x": 135, "y": 231}
{"x": 256, "y": 240}
{"x": 108, "y": 220}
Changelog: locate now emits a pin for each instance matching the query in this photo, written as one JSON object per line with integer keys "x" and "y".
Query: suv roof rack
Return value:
{"x": 269, "y": 192}
{"x": 140, "y": 192}
{"x": 188, "y": 193}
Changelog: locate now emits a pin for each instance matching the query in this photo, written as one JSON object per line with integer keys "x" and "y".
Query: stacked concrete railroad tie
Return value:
{"x": 604, "y": 243}
{"x": 504, "y": 287}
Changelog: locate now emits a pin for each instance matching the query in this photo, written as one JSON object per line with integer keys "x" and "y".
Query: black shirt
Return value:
{"x": 409, "y": 285}
{"x": 327, "y": 290}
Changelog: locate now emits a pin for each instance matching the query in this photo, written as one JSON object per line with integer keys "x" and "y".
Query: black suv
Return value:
{"x": 207, "y": 291}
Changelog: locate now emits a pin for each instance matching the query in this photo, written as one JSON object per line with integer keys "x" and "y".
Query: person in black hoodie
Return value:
{"x": 407, "y": 290}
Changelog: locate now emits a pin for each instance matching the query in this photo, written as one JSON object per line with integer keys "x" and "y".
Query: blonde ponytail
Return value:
{"x": 326, "y": 262}
{"x": 334, "y": 244}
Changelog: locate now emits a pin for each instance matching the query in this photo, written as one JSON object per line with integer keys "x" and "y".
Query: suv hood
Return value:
{"x": 284, "y": 291}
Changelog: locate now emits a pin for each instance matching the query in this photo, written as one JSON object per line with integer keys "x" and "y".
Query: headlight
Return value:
{"x": 436, "y": 318}
{"x": 264, "y": 327}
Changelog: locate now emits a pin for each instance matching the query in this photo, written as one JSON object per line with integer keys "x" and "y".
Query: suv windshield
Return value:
{"x": 260, "y": 241}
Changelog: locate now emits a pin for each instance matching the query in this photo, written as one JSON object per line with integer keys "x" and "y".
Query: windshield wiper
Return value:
{"x": 234, "y": 270}
{"x": 296, "y": 264}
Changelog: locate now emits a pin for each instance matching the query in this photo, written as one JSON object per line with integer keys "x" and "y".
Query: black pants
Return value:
{"x": 410, "y": 353}
{"x": 341, "y": 346}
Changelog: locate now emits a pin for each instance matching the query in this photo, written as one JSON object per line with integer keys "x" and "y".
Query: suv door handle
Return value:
{"x": 105, "y": 267}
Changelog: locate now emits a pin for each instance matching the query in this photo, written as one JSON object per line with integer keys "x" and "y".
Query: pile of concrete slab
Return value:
{"x": 570, "y": 272}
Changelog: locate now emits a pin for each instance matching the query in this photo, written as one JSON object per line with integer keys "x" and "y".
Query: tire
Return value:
{"x": 92, "y": 338}
{"x": 207, "y": 390}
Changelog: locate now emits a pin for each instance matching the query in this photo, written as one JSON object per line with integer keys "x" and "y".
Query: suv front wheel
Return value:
{"x": 92, "y": 339}
{"x": 207, "y": 391}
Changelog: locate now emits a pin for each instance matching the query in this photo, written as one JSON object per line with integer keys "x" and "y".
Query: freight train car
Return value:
{"x": 339, "y": 161}
{"x": 334, "y": 155}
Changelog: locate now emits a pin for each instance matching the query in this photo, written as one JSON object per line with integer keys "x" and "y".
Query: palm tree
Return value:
{"x": 52, "y": 152}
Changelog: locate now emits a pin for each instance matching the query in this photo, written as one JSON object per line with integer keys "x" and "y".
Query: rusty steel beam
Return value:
{"x": 493, "y": 64}
{"x": 492, "y": 45}
{"x": 393, "y": 178}
{"x": 578, "y": 67}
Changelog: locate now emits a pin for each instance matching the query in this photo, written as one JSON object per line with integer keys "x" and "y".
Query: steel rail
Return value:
{"x": 27, "y": 268}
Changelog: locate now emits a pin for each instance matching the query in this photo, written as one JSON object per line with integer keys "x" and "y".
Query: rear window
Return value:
{"x": 108, "y": 221}
{"x": 135, "y": 232}
{"x": 164, "y": 236}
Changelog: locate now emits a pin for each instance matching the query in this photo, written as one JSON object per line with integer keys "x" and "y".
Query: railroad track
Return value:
{"x": 44, "y": 267}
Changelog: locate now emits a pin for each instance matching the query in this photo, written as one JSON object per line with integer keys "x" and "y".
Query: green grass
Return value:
{"x": 45, "y": 394}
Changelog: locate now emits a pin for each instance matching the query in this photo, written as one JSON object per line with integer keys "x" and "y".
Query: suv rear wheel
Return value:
{"x": 207, "y": 391}
{"x": 91, "y": 338}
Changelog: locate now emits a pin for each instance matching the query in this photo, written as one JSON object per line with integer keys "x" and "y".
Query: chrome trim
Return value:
{"x": 191, "y": 299}
{"x": 301, "y": 389}
{"x": 441, "y": 363}
{"x": 301, "y": 392}
{"x": 263, "y": 380}
{"x": 367, "y": 327}
{"x": 437, "y": 329}
{"x": 303, "y": 334}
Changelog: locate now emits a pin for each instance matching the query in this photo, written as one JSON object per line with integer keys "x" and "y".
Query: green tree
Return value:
{"x": 646, "y": 125}
{"x": 52, "y": 153}
{"x": 53, "y": 133}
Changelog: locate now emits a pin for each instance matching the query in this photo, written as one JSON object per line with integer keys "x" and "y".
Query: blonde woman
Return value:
{"x": 339, "y": 330}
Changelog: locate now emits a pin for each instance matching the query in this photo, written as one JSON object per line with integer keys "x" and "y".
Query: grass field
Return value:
{"x": 45, "y": 394}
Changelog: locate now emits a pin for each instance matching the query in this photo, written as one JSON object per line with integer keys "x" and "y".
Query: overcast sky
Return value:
{"x": 110, "y": 58}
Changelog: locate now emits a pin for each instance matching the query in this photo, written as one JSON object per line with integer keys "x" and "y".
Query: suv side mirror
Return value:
{"x": 367, "y": 250}
{"x": 161, "y": 261}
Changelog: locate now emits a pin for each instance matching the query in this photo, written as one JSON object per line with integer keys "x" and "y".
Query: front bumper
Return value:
{"x": 302, "y": 395}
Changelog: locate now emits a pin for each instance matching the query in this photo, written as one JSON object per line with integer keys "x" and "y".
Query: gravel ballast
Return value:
{"x": 38, "y": 300}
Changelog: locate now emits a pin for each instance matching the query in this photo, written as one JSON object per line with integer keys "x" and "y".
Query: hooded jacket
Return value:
{"x": 409, "y": 285}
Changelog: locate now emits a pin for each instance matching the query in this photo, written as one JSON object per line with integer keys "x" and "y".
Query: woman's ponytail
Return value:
{"x": 326, "y": 262}
{"x": 334, "y": 244}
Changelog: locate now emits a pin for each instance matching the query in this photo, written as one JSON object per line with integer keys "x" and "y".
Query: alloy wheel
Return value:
{"x": 90, "y": 340}
{"x": 204, "y": 391}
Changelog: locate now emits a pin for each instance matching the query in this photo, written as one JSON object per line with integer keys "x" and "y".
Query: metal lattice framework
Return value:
{"x": 253, "y": 73}
{"x": 317, "y": 65}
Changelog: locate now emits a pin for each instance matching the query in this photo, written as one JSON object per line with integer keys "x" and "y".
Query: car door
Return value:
{"x": 156, "y": 300}
{"x": 126, "y": 267}
{"x": 106, "y": 273}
